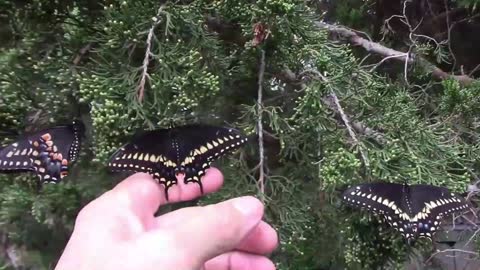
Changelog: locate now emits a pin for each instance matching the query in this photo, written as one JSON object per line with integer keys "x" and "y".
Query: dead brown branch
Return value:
{"x": 353, "y": 38}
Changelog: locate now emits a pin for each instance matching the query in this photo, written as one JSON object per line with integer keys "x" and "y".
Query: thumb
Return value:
{"x": 206, "y": 232}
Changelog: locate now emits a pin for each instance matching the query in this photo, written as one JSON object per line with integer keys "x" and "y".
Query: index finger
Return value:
{"x": 143, "y": 195}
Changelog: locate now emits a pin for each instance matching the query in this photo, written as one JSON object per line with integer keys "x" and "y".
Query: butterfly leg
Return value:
{"x": 167, "y": 182}
{"x": 194, "y": 176}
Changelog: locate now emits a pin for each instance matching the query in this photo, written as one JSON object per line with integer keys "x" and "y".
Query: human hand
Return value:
{"x": 118, "y": 231}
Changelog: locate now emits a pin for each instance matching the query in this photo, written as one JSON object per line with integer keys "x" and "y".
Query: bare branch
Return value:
{"x": 452, "y": 250}
{"x": 261, "y": 72}
{"x": 148, "y": 54}
{"x": 337, "y": 107}
{"x": 346, "y": 121}
{"x": 379, "y": 49}
{"x": 81, "y": 53}
{"x": 474, "y": 70}
{"x": 387, "y": 58}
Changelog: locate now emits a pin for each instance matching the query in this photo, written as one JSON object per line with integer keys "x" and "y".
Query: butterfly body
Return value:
{"x": 413, "y": 210}
{"x": 48, "y": 153}
{"x": 166, "y": 153}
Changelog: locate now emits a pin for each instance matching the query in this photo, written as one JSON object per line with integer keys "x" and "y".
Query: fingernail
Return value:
{"x": 247, "y": 205}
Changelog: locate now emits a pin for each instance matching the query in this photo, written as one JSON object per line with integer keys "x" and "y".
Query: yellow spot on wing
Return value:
{"x": 203, "y": 149}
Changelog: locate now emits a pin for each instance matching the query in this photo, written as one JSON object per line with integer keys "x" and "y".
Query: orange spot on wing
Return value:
{"x": 64, "y": 162}
{"x": 47, "y": 136}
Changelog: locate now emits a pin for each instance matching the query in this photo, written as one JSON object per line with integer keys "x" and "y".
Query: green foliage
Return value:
{"x": 198, "y": 72}
{"x": 473, "y": 4}
{"x": 464, "y": 101}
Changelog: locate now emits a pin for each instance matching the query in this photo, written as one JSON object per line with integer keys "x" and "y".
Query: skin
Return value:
{"x": 118, "y": 230}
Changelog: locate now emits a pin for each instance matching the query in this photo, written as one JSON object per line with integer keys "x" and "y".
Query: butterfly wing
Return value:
{"x": 165, "y": 152}
{"x": 54, "y": 150}
{"x": 47, "y": 152}
{"x": 431, "y": 204}
{"x": 201, "y": 145}
{"x": 414, "y": 211}
{"x": 385, "y": 199}
{"x": 152, "y": 152}
{"x": 16, "y": 156}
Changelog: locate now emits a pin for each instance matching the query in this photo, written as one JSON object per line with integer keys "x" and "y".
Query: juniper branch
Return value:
{"x": 289, "y": 77}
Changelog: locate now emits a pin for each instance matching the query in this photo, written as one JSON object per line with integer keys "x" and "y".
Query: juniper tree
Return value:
{"x": 318, "y": 117}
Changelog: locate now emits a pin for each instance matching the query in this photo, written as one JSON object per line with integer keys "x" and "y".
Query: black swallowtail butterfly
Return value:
{"x": 165, "y": 153}
{"x": 415, "y": 211}
{"x": 48, "y": 152}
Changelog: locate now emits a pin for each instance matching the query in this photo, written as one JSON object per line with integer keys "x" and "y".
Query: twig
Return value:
{"x": 472, "y": 237}
{"x": 346, "y": 122}
{"x": 343, "y": 116}
{"x": 405, "y": 67}
{"x": 81, "y": 53}
{"x": 261, "y": 177}
{"x": 449, "y": 29}
{"x": 385, "y": 59}
{"x": 473, "y": 70}
{"x": 148, "y": 53}
{"x": 451, "y": 250}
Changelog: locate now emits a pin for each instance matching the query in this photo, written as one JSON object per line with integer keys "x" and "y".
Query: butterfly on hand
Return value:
{"x": 166, "y": 153}
{"x": 48, "y": 153}
{"x": 413, "y": 210}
